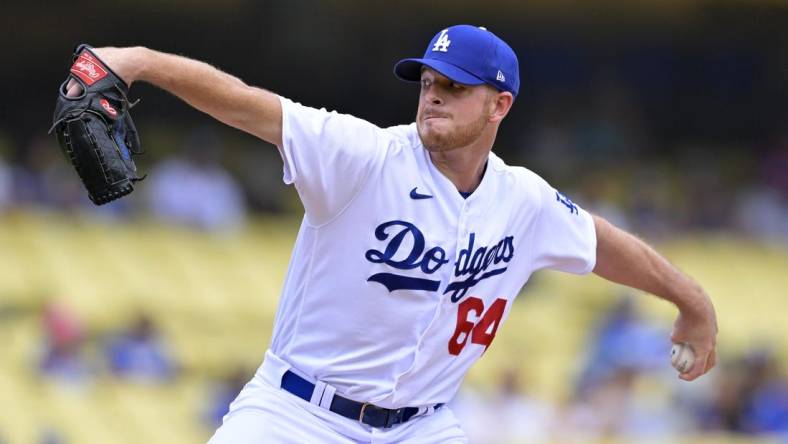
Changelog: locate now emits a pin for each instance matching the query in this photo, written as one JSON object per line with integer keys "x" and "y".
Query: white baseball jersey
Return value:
{"x": 397, "y": 284}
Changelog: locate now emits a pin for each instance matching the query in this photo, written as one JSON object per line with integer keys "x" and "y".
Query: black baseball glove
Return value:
{"x": 95, "y": 129}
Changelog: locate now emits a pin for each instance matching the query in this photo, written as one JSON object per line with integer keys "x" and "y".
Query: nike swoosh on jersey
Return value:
{"x": 416, "y": 195}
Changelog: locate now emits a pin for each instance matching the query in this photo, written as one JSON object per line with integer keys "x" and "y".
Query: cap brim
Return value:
{"x": 409, "y": 70}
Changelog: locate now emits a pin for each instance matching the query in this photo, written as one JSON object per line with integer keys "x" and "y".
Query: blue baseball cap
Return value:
{"x": 469, "y": 55}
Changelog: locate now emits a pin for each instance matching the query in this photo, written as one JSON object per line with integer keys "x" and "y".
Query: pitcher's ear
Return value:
{"x": 502, "y": 103}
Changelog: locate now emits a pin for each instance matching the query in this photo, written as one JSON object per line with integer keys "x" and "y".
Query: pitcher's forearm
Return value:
{"x": 197, "y": 83}
{"x": 210, "y": 90}
{"x": 625, "y": 259}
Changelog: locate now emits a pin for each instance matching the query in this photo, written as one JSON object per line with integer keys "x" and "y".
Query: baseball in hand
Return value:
{"x": 682, "y": 357}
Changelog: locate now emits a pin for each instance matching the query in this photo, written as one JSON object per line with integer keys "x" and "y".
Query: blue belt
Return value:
{"x": 362, "y": 412}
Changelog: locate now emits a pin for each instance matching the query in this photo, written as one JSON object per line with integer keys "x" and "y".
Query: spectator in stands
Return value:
{"x": 6, "y": 185}
{"x": 719, "y": 409}
{"x": 140, "y": 354}
{"x": 50, "y": 435}
{"x": 30, "y": 170}
{"x": 610, "y": 124}
{"x": 193, "y": 189}
{"x": 628, "y": 404}
{"x": 762, "y": 208}
{"x": 516, "y": 415}
{"x": 64, "y": 359}
{"x": 751, "y": 397}
{"x": 763, "y": 395}
{"x": 523, "y": 418}
{"x": 223, "y": 394}
{"x": 623, "y": 340}
{"x": 598, "y": 193}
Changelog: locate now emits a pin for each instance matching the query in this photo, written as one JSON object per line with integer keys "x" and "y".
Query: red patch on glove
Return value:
{"x": 108, "y": 107}
{"x": 88, "y": 68}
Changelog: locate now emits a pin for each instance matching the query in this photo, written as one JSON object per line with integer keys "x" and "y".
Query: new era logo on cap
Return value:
{"x": 469, "y": 55}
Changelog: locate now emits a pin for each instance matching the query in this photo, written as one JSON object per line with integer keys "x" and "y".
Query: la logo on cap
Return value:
{"x": 443, "y": 42}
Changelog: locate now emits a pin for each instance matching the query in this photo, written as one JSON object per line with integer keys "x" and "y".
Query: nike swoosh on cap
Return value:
{"x": 416, "y": 195}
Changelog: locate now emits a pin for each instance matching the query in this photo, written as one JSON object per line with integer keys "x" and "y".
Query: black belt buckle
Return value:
{"x": 381, "y": 417}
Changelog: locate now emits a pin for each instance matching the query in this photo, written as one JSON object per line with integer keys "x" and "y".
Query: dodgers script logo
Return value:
{"x": 474, "y": 264}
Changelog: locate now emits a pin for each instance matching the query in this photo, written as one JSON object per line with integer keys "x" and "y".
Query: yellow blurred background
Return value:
{"x": 213, "y": 297}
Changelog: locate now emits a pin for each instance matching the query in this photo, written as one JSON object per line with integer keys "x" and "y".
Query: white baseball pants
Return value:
{"x": 263, "y": 413}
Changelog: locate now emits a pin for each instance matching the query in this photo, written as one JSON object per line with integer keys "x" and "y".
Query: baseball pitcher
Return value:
{"x": 414, "y": 243}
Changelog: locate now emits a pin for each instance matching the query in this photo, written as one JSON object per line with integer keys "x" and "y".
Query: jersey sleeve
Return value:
{"x": 564, "y": 235}
{"x": 327, "y": 156}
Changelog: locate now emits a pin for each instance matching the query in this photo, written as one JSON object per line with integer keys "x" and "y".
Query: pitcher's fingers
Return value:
{"x": 712, "y": 361}
{"x": 73, "y": 88}
{"x": 698, "y": 368}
